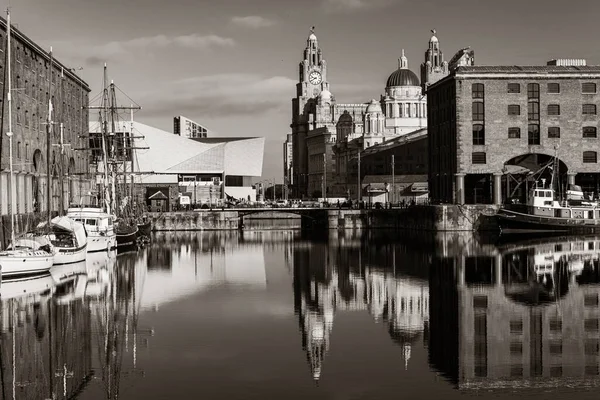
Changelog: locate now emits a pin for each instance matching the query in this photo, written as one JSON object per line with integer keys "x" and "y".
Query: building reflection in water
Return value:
{"x": 201, "y": 261}
{"x": 517, "y": 316}
{"x": 62, "y": 331}
{"x": 372, "y": 273}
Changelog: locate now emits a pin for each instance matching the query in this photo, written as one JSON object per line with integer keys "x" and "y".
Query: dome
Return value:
{"x": 345, "y": 117}
{"x": 403, "y": 77}
{"x": 434, "y": 39}
{"x": 374, "y": 107}
{"x": 312, "y": 36}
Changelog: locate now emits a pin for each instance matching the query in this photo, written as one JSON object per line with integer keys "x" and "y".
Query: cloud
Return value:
{"x": 220, "y": 95}
{"x": 353, "y": 5}
{"x": 90, "y": 54}
{"x": 252, "y": 21}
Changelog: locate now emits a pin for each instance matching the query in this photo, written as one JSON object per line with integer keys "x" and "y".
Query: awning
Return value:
{"x": 419, "y": 187}
{"x": 515, "y": 169}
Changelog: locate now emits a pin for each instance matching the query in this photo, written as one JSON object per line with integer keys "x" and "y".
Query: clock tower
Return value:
{"x": 312, "y": 82}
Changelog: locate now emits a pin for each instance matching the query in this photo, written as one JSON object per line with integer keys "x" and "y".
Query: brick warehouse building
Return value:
{"x": 30, "y": 78}
{"x": 490, "y": 127}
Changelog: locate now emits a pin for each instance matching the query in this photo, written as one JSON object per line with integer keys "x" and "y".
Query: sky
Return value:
{"x": 232, "y": 65}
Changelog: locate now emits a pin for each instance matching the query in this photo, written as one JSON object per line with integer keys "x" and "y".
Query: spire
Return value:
{"x": 403, "y": 61}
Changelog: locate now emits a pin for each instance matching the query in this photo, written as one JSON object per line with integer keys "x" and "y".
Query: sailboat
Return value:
{"x": 108, "y": 223}
{"x": 24, "y": 257}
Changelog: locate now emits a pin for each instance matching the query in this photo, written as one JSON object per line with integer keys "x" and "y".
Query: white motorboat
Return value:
{"x": 99, "y": 226}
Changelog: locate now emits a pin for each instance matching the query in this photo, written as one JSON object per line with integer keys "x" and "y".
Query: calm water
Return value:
{"x": 272, "y": 315}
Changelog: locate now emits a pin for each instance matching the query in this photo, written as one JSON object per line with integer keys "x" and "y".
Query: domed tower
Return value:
{"x": 405, "y": 105}
{"x": 434, "y": 68}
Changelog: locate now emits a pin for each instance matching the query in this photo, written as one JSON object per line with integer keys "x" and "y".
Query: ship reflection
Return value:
{"x": 69, "y": 329}
{"x": 351, "y": 275}
{"x": 519, "y": 316}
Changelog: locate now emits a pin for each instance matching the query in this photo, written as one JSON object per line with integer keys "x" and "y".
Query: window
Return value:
{"x": 516, "y": 327}
{"x": 514, "y": 88}
{"x": 514, "y": 109}
{"x": 533, "y": 91}
{"x": 480, "y": 302}
{"x": 553, "y": 88}
{"x": 553, "y": 132}
{"x": 556, "y": 347}
{"x": 589, "y": 109}
{"x": 590, "y": 325}
{"x": 514, "y": 133}
{"x": 533, "y": 134}
{"x": 590, "y": 157}
{"x": 478, "y": 134}
{"x": 588, "y": 87}
{"x": 553, "y": 109}
{"x": 533, "y": 111}
{"x": 478, "y": 157}
{"x": 589, "y": 132}
{"x": 478, "y": 112}
{"x": 590, "y": 300}
{"x": 555, "y": 324}
{"x": 516, "y": 348}
{"x": 477, "y": 89}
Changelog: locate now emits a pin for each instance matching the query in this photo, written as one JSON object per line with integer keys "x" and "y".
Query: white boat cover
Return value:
{"x": 70, "y": 225}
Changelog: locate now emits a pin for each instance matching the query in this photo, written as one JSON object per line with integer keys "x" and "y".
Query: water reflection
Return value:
{"x": 359, "y": 275}
{"x": 516, "y": 316}
{"x": 484, "y": 316}
{"x": 66, "y": 329}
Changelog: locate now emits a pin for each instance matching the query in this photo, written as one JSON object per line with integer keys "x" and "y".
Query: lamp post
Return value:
{"x": 393, "y": 171}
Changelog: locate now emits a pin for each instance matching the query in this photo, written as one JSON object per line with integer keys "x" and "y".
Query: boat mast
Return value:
{"x": 48, "y": 145}
{"x": 104, "y": 130}
{"x": 132, "y": 145}
{"x": 10, "y": 136}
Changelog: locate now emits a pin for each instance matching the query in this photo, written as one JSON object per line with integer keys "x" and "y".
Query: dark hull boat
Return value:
{"x": 514, "y": 222}
{"x": 548, "y": 212}
{"x": 126, "y": 236}
{"x": 144, "y": 228}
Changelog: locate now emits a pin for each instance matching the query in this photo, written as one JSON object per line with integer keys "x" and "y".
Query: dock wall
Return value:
{"x": 442, "y": 218}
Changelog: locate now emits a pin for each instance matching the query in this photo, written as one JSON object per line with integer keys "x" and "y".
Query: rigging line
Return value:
{"x": 125, "y": 94}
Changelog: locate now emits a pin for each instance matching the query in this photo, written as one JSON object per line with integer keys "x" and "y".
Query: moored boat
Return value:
{"x": 98, "y": 225}
{"x": 126, "y": 234}
{"x": 32, "y": 259}
{"x": 68, "y": 239}
{"x": 547, "y": 212}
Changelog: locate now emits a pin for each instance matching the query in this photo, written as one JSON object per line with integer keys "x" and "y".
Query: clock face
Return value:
{"x": 314, "y": 77}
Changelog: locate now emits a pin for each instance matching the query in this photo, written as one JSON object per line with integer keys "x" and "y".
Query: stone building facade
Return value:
{"x": 327, "y": 135}
{"x": 35, "y": 83}
{"x": 491, "y": 127}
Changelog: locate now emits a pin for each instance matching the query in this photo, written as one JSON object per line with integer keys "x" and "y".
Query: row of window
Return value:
{"x": 533, "y": 89}
{"x": 589, "y": 132}
{"x": 533, "y": 110}
{"x": 480, "y": 157}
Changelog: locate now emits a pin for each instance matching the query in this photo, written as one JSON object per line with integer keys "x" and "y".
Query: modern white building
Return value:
{"x": 205, "y": 169}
